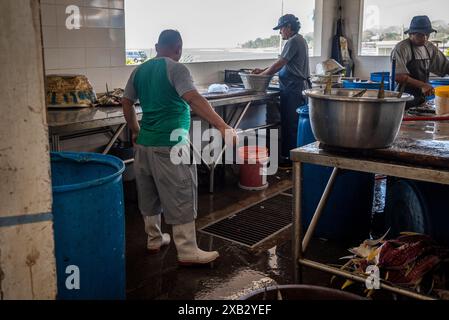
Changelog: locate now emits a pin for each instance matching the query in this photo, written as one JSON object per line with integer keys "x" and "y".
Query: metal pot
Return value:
{"x": 300, "y": 292}
{"x": 339, "y": 120}
{"x": 255, "y": 82}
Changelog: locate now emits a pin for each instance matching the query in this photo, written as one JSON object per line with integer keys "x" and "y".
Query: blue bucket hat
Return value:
{"x": 421, "y": 24}
{"x": 287, "y": 19}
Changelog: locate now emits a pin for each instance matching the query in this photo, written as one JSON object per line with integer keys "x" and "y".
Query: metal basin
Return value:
{"x": 338, "y": 120}
{"x": 255, "y": 82}
{"x": 300, "y": 292}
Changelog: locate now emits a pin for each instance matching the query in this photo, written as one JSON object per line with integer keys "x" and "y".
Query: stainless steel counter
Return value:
{"x": 69, "y": 121}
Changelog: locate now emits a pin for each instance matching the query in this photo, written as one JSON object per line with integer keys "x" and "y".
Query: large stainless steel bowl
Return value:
{"x": 338, "y": 120}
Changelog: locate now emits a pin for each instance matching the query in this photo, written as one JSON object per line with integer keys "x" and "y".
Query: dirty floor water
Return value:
{"x": 239, "y": 269}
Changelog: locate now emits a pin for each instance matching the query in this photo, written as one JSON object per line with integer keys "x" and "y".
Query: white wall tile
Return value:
{"x": 118, "y": 57}
{"x": 98, "y": 57}
{"x": 77, "y": 71}
{"x": 50, "y": 37}
{"x": 97, "y": 37}
{"x": 71, "y": 38}
{"x": 120, "y": 76}
{"x": 98, "y": 77}
{"x": 52, "y": 58}
{"x": 97, "y": 3}
{"x": 116, "y": 18}
{"x": 116, "y": 4}
{"x": 48, "y": 13}
{"x": 97, "y": 18}
{"x": 72, "y": 58}
{"x": 117, "y": 38}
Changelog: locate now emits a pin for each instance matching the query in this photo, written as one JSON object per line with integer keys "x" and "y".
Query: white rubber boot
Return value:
{"x": 156, "y": 239}
{"x": 184, "y": 236}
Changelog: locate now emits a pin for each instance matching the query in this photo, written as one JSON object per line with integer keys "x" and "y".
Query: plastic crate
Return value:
{"x": 377, "y": 77}
{"x": 232, "y": 76}
{"x": 361, "y": 85}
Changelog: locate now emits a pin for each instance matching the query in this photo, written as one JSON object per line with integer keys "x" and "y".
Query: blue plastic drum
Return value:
{"x": 348, "y": 211}
{"x": 89, "y": 226}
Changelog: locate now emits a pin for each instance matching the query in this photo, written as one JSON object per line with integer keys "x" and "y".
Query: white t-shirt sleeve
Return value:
{"x": 402, "y": 59}
{"x": 130, "y": 91}
{"x": 180, "y": 77}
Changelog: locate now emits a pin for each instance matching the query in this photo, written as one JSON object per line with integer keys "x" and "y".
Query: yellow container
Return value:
{"x": 442, "y": 100}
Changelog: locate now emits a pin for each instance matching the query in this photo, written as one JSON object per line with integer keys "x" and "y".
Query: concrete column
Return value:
{"x": 27, "y": 260}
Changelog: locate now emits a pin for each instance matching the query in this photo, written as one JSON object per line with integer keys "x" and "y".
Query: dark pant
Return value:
{"x": 291, "y": 100}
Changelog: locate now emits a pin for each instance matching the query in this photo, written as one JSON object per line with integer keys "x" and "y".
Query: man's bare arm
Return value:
{"x": 204, "y": 110}
{"x": 406, "y": 79}
{"x": 131, "y": 117}
{"x": 278, "y": 65}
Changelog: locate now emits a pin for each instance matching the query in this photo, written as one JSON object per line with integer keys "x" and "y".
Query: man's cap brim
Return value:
{"x": 280, "y": 26}
{"x": 422, "y": 31}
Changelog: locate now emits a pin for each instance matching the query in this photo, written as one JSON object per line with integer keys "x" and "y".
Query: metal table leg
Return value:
{"x": 114, "y": 138}
{"x": 300, "y": 245}
{"x": 297, "y": 223}
{"x": 55, "y": 146}
{"x": 214, "y": 164}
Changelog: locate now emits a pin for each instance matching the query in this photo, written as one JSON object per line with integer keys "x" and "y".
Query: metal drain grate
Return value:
{"x": 253, "y": 226}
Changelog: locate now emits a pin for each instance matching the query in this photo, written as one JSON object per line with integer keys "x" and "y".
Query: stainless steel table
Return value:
{"x": 421, "y": 152}
{"x": 71, "y": 123}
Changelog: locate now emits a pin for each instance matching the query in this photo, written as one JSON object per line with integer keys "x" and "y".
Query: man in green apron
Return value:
{"x": 166, "y": 93}
{"x": 416, "y": 57}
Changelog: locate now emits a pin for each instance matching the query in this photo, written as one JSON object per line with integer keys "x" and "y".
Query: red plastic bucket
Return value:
{"x": 253, "y": 168}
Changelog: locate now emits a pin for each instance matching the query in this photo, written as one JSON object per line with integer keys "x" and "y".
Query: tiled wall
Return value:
{"x": 97, "y": 49}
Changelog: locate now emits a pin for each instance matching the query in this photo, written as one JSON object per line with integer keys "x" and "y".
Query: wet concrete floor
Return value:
{"x": 239, "y": 269}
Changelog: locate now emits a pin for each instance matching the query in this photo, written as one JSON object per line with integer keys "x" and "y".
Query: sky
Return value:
{"x": 210, "y": 23}
{"x": 386, "y": 13}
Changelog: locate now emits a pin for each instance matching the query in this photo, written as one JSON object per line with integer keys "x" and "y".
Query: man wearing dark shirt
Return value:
{"x": 294, "y": 77}
{"x": 416, "y": 58}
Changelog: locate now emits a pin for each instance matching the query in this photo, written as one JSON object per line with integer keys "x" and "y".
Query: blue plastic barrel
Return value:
{"x": 305, "y": 134}
{"x": 89, "y": 225}
{"x": 348, "y": 211}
